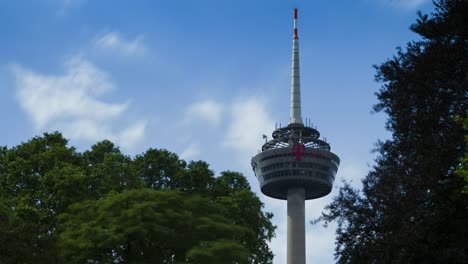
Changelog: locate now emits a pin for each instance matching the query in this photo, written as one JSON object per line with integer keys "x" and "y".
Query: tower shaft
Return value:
{"x": 296, "y": 226}
{"x": 296, "y": 195}
{"x": 295, "y": 113}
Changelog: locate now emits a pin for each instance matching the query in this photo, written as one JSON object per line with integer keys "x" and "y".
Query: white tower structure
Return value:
{"x": 296, "y": 165}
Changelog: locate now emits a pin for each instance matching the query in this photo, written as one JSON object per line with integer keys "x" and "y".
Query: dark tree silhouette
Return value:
{"x": 411, "y": 208}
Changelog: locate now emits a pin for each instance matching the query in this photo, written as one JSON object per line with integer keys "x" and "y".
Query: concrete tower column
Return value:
{"x": 296, "y": 226}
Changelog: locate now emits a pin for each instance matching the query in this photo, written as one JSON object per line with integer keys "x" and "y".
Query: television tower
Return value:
{"x": 296, "y": 165}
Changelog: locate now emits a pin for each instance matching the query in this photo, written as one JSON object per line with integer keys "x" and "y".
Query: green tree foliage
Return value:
{"x": 148, "y": 226}
{"x": 159, "y": 169}
{"x": 61, "y": 206}
{"x": 411, "y": 208}
{"x": 38, "y": 180}
{"x": 462, "y": 171}
{"x": 107, "y": 169}
{"x": 232, "y": 190}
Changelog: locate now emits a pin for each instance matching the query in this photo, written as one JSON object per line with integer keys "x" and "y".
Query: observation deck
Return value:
{"x": 295, "y": 157}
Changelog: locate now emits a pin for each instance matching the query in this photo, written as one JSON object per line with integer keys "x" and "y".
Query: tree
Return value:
{"x": 38, "y": 180}
{"x": 240, "y": 204}
{"x": 148, "y": 226}
{"x": 159, "y": 168}
{"x": 61, "y": 206}
{"x": 196, "y": 178}
{"x": 411, "y": 208}
{"x": 107, "y": 169}
{"x": 462, "y": 171}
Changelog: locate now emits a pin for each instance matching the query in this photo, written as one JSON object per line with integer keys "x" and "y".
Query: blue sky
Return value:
{"x": 204, "y": 79}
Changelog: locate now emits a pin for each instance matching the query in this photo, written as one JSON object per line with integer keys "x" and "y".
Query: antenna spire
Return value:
{"x": 295, "y": 114}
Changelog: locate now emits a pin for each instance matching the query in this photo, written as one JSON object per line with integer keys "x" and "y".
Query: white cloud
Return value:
{"x": 48, "y": 98}
{"x": 69, "y": 3}
{"x": 249, "y": 120}
{"x": 192, "y": 151}
{"x": 71, "y": 103}
{"x": 132, "y": 134}
{"x": 352, "y": 172}
{"x": 207, "y": 110}
{"x": 413, "y": 3}
{"x": 320, "y": 244}
{"x": 404, "y": 4}
{"x": 65, "y": 6}
{"x": 115, "y": 41}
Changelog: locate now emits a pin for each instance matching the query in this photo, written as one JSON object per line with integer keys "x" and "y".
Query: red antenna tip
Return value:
{"x": 295, "y": 26}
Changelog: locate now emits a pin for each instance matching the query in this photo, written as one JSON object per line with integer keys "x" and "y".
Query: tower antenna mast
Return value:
{"x": 295, "y": 112}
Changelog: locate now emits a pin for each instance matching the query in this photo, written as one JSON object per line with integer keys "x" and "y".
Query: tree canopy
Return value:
{"x": 411, "y": 208}
{"x": 58, "y": 205}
